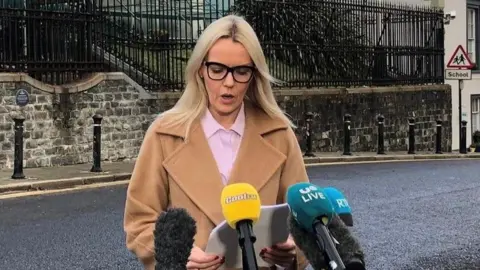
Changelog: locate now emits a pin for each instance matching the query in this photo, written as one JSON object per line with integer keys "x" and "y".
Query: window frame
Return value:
{"x": 473, "y": 5}
{"x": 474, "y": 99}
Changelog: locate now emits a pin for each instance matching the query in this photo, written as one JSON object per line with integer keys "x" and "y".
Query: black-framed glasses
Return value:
{"x": 218, "y": 71}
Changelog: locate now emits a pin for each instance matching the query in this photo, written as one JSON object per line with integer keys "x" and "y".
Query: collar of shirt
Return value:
{"x": 211, "y": 126}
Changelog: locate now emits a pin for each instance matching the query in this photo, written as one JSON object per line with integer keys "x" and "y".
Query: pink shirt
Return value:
{"x": 224, "y": 143}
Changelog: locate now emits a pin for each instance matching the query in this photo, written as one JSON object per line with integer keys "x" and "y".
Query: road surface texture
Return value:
{"x": 408, "y": 215}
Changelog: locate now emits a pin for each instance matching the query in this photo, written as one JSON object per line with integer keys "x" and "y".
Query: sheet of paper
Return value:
{"x": 270, "y": 229}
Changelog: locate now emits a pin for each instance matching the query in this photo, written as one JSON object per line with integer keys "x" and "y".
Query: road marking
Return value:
{"x": 53, "y": 191}
{"x": 382, "y": 161}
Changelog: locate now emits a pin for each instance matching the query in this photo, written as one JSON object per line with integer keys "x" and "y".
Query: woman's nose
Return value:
{"x": 229, "y": 81}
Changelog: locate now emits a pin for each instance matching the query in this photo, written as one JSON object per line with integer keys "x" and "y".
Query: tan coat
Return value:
{"x": 172, "y": 173}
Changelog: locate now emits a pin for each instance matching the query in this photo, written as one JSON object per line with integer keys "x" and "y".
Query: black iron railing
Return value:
{"x": 308, "y": 43}
{"x": 348, "y": 42}
{"x": 50, "y": 40}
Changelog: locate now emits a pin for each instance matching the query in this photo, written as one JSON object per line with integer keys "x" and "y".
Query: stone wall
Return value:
{"x": 59, "y": 125}
{"x": 425, "y": 103}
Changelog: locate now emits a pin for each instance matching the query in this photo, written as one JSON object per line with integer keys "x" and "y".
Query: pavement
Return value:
{"x": 407, "y": 215}
{"x": 64, "y": 177}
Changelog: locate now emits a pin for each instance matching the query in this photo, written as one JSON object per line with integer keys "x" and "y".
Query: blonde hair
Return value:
{"x": 194, "y": 101}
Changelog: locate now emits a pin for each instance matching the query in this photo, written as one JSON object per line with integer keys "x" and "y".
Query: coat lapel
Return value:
{"x": 195, "y": 170}
{"x": 193, "y": 167}
{"x": 257, "y": 160}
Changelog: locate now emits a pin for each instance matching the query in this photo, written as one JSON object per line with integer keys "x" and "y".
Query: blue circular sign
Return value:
{"x": 22, "y": 98}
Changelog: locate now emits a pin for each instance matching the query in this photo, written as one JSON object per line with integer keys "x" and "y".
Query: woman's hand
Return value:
{"x": 282, "y": 254}
{"x": 200, "y": 260}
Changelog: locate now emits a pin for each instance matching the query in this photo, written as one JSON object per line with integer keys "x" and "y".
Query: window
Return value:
{"x": 475, "y": 113}
{"x": 471, "y": 34}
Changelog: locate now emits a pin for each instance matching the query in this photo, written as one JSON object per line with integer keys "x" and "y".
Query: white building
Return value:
{"x": 463, "y": 30}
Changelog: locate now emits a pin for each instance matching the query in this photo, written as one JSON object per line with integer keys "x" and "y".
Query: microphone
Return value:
{"x": 340, "y": 205}
{"x": 313, "y": 212}
{"x": 307, "y": 244}
{"x": 348, "y": 247}
{"x": 173, "y": 236}
{"x": 241, "y": 208}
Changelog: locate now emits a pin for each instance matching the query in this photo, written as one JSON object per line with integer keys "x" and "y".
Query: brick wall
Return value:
{"x": 59, "y": 125}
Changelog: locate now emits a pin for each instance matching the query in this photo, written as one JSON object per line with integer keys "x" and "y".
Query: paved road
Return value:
{"x": 419, "y": 215}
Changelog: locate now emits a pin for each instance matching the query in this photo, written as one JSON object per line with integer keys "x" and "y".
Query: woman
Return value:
{"x": 226, "y": 128}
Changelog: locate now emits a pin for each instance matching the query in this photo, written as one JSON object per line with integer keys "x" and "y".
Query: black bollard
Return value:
{"x": 97, "y": 143}
{"x": 411, "y": 135}
{"x": 18, "y": 151}
{"x": 309, "y": 134}
{"x": 463, "y": 137}
{"x": 438, "y": 142}
{"x": 381, "y": 139}
{"x": 346, "y": 131}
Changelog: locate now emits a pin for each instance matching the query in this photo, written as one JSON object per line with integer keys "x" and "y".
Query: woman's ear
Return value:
{"x": 201, "y": 71}
{"x": 252, "y": 84}
{"x": 251, "y": 90}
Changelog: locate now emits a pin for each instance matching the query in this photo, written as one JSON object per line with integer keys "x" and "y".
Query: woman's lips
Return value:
{"x": 227, "y": 99}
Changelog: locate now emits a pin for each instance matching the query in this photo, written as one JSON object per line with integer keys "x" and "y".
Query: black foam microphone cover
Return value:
{"x": 174, "y": 236}
{"x": 348, "y": 248}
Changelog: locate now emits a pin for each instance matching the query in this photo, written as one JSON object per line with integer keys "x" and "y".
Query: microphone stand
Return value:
{"x": 333, "y": 259}
{"x": 246, "y": 239}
